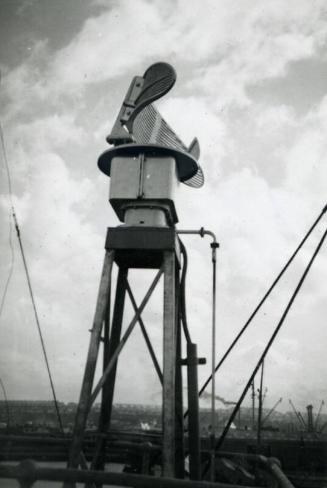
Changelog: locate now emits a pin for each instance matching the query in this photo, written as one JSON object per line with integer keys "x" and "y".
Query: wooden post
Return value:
{"x": 84, "y": 401}
{"x": 193, "y": 409}
{"x": 179, "y": 413}
{"x": 169, "y": 362}
{"x": 109, "y": 349}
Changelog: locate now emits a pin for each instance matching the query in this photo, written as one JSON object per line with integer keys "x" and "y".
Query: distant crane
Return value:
{"x": 298, "y": 415}
{"x": 318, "y": 416}
{"x": 309, "y": 426}
{"x": 271, "y": 411}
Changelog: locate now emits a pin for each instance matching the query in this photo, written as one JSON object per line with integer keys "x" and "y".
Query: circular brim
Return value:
{"x": 187, "y": 166}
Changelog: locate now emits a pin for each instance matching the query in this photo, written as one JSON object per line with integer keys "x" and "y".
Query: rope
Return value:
{"x": 269, "y": 344}
{"x": 247, "y": 323}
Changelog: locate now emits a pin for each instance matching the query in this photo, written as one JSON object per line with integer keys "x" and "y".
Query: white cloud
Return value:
{"x": 264, "y": 164}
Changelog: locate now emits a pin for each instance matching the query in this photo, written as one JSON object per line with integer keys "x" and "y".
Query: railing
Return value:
{"x": 28, "y": 472}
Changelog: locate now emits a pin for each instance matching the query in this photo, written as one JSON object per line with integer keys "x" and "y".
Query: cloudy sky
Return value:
{"x": 251, "y": 85}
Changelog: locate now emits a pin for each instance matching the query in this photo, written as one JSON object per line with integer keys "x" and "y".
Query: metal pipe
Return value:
{"x": 28, "y": 472}
{"x": 214, "y": 245}
{"x": 271, "y": 464}
{"x": 201, "y": 232}
{"x": 275, "y": 469}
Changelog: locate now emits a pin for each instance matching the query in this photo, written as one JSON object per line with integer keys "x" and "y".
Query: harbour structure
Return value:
{"x": 146, "y": 164}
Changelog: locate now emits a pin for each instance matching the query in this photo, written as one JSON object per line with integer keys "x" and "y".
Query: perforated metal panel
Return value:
{"x": 150, "y": 127}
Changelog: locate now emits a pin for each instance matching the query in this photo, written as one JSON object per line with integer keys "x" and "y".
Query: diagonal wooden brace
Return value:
{"x": 124, "y": 339}
{"x": 145, "y": 335}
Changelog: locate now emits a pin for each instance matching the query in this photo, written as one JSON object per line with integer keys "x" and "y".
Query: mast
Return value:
{"x": 260, "y": 407}
{"x": 253, "y": 404}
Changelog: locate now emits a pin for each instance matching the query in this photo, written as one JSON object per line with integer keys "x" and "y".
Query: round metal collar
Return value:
{"x": 186, "y": 164}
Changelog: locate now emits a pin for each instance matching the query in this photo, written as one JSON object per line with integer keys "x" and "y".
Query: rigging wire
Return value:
{"x": 13, "y": 214}
{"x": 269, "y": 344}
{"x": 38, "y": 323}
{"x": 12, "y": 252}
{"x": 11, "y": 267}
{"x": 247, "y": 323}
{"x": 12, "y": 258}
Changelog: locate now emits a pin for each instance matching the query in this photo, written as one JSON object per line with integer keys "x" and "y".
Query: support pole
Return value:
{"x": 260, "y": 409}
{"x": 116, "y": 327}
{"x": 253, "y": 404}
{"x": 214, "y": 246}
{"x": 84, "y": 403}
{"x": 169, "y": 358}
{"x": 108, "y": 352}
{"x": 179, "y": 417}
{"x": 193, "y": 409}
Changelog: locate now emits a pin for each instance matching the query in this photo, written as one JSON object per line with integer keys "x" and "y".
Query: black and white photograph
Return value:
{"x": 163, "y": 260}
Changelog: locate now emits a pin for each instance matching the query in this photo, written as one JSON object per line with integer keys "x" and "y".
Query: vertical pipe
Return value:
{"x": 169, "y": 358}
{"x": 193, "y": 409}
{"x": 214, "y": 246}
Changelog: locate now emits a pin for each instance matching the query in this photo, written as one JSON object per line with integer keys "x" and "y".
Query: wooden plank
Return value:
{"x": 169, "y": 358}
{"x": 84, "y": 401}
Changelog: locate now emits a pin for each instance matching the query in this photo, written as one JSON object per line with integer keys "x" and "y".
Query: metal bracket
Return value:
{"x": 187, "y": 362}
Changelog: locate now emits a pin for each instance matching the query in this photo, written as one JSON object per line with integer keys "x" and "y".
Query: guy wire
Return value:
{"x": 247, "y": 323}
{"x": 13, "y": 214}
{"x": 269, "y": 344}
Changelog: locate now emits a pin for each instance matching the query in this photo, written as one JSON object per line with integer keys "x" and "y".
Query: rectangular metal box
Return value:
{"x": 142, "y": 190}
{"x": 137, "y": 247}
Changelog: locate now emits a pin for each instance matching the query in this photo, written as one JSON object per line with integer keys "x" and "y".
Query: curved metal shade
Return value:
{"x": 150, "y": 127}
{"x": 187, "y": 167}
